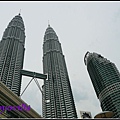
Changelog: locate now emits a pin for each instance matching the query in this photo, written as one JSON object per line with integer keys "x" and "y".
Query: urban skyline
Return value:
{"x": 92, "y": 26}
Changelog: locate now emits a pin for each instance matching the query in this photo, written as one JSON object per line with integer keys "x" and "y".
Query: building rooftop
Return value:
{"x": 8, "y": 98}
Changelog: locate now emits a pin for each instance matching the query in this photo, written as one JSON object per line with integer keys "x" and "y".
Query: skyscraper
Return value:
{"x": 106, "y": 81}
{"x": 12, "y": 54}
{"x": 57, "y": 99}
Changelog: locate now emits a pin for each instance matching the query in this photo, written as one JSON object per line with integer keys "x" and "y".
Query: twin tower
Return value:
{"x": 57, "y": 99}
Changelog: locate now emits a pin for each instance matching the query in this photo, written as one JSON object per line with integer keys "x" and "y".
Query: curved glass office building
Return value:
{"x": 105, "y": 78}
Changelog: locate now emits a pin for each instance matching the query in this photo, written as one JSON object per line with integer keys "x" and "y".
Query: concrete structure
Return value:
{"x": 8, "y": 98}
{"x": 105, "y": 114}
{"x": 106, "y": 81}
{"x": 58, "y": 100}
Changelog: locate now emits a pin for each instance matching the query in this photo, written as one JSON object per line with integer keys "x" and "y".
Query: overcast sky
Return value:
{"x": 81, "y": 27}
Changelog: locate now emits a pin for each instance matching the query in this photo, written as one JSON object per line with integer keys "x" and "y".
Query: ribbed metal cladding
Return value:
{"x": 106, "y": 81}
{"x": 12, "y": 54}
{"x": 57, "y": 97}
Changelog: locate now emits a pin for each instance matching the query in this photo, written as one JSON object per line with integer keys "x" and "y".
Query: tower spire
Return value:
{"x": 48, "y": 23}
{"x": 20, "y": 12}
